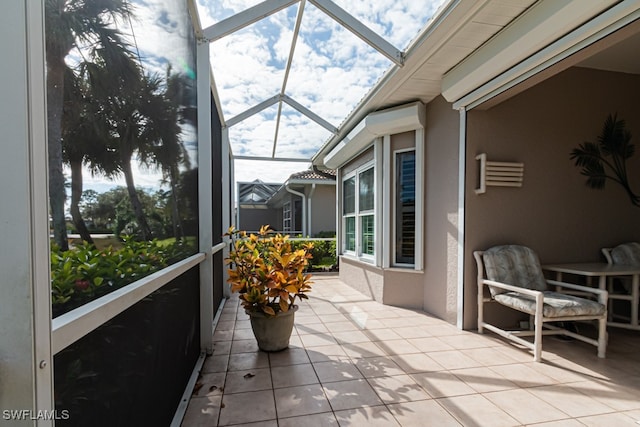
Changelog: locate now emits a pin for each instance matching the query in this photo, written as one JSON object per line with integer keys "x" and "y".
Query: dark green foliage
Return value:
{"x": 326, "y": 235}
{"x": 112, "y": 211}
{"x": 607, "y": 159}
{"x": 84, "y": 273}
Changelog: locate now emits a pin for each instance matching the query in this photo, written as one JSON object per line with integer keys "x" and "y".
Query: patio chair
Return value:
{"x": 626, "y": 253}
{"x": 515, "y": 279}
{"x": 620, "y": 288}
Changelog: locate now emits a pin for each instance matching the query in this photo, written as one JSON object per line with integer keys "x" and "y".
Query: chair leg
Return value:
{"x": 531, "y": 322}
{"x": 480, "y": 310}
{"x": 602, "y": 338}
{"x": 537, "y": 352}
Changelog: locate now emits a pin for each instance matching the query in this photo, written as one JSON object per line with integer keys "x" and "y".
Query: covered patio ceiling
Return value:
{"x": 286, "y": 73}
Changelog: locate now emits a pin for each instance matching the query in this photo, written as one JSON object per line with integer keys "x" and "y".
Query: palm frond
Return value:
{"x": 606, "y": 159}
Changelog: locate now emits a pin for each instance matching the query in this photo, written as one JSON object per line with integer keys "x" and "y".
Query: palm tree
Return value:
{"x": 140, "y": 121}
{"x": 171, "y": 153}
{"x": 85, "y": 138}
{"x": 77, "y": 131}
{"x": 85, "y": 24}
{"x": 607, "y": 159}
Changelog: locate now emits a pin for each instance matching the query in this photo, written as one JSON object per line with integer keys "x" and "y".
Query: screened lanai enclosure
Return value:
{"x": 126, "y": 124}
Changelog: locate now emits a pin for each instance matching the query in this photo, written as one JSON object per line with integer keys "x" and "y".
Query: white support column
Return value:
{"x": 245, "y": 18}
{"x": 462, "y": 157}
{"x": 387, "y": 224}
{"x": 227, "y": 196}
{"x": 359, "y": 29}
{"x": 420, "y": 200}
{"x": 253, "y": 110}
{"x": 26, "y": 377}
{"x": 381, "y": 214}
{"x": 205, "y": 207}
{"x": 339, "y": 231}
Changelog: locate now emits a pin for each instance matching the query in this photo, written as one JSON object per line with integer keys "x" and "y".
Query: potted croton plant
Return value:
{"x": 269, "y": 274}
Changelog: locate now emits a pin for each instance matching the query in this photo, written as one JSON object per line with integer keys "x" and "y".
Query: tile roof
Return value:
{"x": 311, "y": 174}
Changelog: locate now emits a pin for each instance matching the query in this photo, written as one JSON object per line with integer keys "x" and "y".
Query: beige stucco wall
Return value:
{"x": 363, "y": 277}
{"x": 323, "y": 208}
{"x": 403, "y": 288}
{"x": 554, "y": 212}
{"x": 440, "y": 279}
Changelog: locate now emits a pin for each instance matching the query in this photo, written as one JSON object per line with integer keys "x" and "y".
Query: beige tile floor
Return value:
{"x": 354, "y": 362}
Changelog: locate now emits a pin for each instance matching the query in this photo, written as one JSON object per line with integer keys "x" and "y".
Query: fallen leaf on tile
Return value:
{"x": 197, "y": 388}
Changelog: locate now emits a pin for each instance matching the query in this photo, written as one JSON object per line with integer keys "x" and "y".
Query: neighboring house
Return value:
{"x": 523, "y": 81}
{"x": 305, "y": 204}
{"x": 253, "y": 210}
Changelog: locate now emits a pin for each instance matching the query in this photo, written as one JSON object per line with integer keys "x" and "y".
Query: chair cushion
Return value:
{"x": 555, "y": 304}
{"x": 514, "y": 265}
{"x": 626, "y": 253}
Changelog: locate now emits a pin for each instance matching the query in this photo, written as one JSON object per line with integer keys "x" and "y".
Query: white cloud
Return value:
{"x": 155, "y": 21}
{"x": 270, "y": 172}
{"x": 332, "y": 70}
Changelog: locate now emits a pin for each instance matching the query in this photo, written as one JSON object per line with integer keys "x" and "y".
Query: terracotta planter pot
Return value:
{"x": 273, "y": 332}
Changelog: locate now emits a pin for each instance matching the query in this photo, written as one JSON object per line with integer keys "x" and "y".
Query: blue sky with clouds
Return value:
{"x": 158, "y": 29}
{"x": 332, "y": 70}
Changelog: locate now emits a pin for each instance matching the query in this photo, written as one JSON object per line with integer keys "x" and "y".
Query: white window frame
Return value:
{"x": 394, "y": 210}
{"x": 344, "y": 216}
{"x": 369, "y": 212}
{"x": 358, "y": 252}
{"x": 286, "y": 216}
{"x": 390, "y": 200}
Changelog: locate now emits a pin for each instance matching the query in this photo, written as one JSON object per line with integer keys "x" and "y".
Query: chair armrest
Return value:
{"x": 512, "y": 288}
{"x": 603, "y": 295}
{"x": 573, "y": 286}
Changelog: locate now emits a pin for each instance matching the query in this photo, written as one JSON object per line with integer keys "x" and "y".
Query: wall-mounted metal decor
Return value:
{"x": 498, "y": 174}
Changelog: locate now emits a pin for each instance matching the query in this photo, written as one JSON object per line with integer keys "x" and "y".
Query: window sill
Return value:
{"x": 404, "y": 270}
{"x": 371, "y": 262}
{"x": 368, "y": 261}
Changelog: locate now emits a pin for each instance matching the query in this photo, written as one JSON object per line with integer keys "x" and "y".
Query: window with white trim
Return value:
{"x": 366, "y": 211}
{"x": 286, "y": 217}
{"x": 358, "y": 212}
{"x": 349, "y": 215}
{"x": 405, "y": 207}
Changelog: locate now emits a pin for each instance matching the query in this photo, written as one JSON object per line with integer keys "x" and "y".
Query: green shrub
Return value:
{"x": 85, "y": 273}
{"x": 326, "y": 235}
{"x": 322, "y": 254}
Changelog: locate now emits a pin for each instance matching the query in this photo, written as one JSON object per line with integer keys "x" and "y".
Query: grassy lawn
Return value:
{"x": 100, "y": 242}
